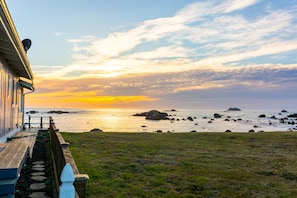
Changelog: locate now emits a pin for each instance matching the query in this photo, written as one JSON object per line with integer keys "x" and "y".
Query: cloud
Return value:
{"x": 233, "y": 5}
{"x": 201, "y": 34}
{"x": 206, "y": 46}
{"x": 254, "y": 76}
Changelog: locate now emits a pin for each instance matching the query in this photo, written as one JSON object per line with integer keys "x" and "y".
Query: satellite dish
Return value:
{"x": 27, "y": 44}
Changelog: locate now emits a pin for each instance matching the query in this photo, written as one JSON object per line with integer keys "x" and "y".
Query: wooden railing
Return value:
{"x": 37, "y": 121}
{"x": 61, "y": 156}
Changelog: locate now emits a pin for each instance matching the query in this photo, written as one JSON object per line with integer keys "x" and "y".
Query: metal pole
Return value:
{"x": 41, "y": 124}
{"x": 29, "y": 121}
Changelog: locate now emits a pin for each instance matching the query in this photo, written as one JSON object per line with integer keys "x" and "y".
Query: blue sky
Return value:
{"x": 173, "y": 54}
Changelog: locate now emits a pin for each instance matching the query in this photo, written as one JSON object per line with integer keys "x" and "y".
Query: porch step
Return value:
{"x": 6, "y": 196}
{"x": 7, "y": 186}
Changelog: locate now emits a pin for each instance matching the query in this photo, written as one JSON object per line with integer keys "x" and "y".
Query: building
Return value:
{"x": 16, "y": 80}
{"x": 16, "y": 77}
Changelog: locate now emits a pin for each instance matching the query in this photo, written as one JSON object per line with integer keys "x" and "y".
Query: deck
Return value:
{"x": 13, "y": 155}
{"x": 28, "y": 135}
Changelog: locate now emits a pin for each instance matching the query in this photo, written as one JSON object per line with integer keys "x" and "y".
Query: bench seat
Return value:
{"x": 12, "y": 157}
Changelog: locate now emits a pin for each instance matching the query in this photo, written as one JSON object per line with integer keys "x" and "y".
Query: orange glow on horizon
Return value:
{"x": 83, "y": 100}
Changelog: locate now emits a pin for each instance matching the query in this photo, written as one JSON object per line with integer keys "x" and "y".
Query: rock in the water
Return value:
{"x": 57, "y": 112}
{"x": 292, "y": 115}
{"x": 156, "y": 115}
{"x": 234, "y": 109}
{"x": 140, "y": 114}
{"x": 96, "y": 130}
{"x": 190, "y": 118}
{"x": 262, "y": 116}
{"x": 216, "y": 115}
{"x": 291, "y": 122}
{"x": 32, "y": 112}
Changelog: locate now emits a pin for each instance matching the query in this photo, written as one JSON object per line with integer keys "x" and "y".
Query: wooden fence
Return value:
{"x": 62, "y": 156}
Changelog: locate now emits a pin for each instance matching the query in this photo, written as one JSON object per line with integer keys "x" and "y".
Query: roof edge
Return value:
{"x": 27, "y": 85}
{"x": 15, "y": 39}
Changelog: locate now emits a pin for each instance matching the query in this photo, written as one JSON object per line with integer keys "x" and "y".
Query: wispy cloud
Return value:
{"x": 233, "y": 5}
{"x": 206, "y": 45}
{"x": 204, "y": 34}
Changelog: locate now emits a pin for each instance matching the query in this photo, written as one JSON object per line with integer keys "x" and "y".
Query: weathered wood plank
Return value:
{"x": 13, "y": 157}
{"x": 29, "y": 135}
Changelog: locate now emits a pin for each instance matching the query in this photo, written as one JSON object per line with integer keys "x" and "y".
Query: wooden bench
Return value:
{"x": 12, "y": 158}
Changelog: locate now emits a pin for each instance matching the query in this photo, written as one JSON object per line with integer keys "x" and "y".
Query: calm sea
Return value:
{"x": 122, "y": 120}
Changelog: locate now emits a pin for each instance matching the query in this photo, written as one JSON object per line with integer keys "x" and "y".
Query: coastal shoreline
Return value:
{"x": 180, "y": 120}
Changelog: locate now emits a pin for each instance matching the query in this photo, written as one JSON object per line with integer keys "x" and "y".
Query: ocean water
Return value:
{"x": 122, "y": 120}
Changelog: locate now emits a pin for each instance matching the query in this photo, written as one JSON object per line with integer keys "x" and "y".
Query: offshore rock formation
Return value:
{"x": 234, "y": 109}
{"x": 153, "y": 115}
{"x": 156, "y": 115}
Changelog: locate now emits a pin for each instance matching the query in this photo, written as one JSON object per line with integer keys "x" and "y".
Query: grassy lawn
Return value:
{"x": 187, "y": 164}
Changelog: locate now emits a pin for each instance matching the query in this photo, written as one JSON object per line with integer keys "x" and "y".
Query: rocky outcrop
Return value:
{"x": 32, "y": 112}
{"x": 57, "y": 112}
{"x": 216, "y": 115}
{"x": 96, "y": 130}
{"x": 141, "y": 114}
{"x": 292, "y": 115}
{"x": 190, "y": 118}
{"x": 234, "y": 109}
{"x": 156, "y": 115}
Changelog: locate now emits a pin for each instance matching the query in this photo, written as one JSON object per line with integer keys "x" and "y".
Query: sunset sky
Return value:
{"x": 161, "y": 53}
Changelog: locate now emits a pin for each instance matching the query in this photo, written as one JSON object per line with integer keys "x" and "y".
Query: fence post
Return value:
{"x": 41, "y": 124}
{"x": 29, "y": 121}
{"x": 67, "y": 189}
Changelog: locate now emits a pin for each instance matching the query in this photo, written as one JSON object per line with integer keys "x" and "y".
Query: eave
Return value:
{"x": 11, "y": 48}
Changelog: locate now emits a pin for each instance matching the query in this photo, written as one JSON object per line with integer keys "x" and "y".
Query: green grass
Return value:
{"x": 187, "y": 164}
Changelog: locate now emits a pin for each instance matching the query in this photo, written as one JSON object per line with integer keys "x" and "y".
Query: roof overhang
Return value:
{"x": 26, "y": 85}
{"x": 11, "y": 48}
